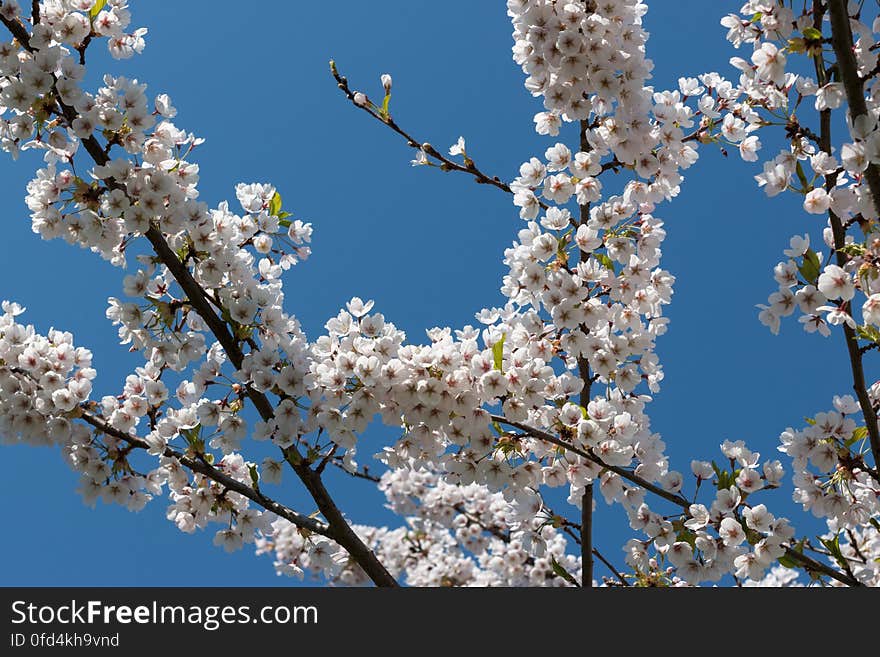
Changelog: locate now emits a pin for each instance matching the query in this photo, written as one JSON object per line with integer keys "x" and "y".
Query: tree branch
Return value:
{"x": 19, "y": 31}
{"x": 842, "y": 41}
{"x": 497, "y": 532}
{"x": 855, "y": 92}
{"x": 626, "y": 474}
{"x": 610, "y": 566}
{"x": 587, "y": 536}
{"x": 412, "y": 142}
{"x": 338, "y": 528}
{"x": 586, "y": 377}
{"x": 363, "y": 473}
{"x": 808, "y": 563}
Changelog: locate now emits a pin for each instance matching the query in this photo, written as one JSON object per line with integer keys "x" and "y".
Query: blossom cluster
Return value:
{"x": 454, "y": 536}
{"x": 35, "y": 75}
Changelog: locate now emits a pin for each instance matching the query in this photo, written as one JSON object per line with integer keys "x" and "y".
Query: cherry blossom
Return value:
{"x": 549, "y": 388}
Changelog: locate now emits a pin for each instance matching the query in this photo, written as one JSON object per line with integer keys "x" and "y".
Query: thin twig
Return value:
{"x": 363, "y": 473}
{"x": 469, "y": 167}
{"x": 586, "y": 377}
{"x": 610, "y": 567}
{"x": 497, "y": 532}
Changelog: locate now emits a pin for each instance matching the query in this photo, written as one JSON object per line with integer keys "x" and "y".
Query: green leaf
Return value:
{"x": 96, "y": 8}
{"x": 859, "y": 434}
{"x": 255, "y": 478}
{"x": 797, "y": 45}
{"x": 833, "y": 546}
{"x": 561, "y": 246}
{"x": 787, "y": 562}
{"x": 688, "y": 537}
{"x": 853, "y": 249}
{"x": 193, "y": 437}
{"x": 604, "y": 260}
{"x": 811, "y": 267}
{"x": 802, "y": 177}
{"x": 758, "y": 16}
{"x": 812, "y": 34}
{"x": 498, "y": 352}
{"x": 868, "y": 332}
{"x": 275, "y": 205}
{"x": 284, "y": 215}
{"x": 559, "y": 571}
{"x": 163, "y": 311}
{"x": 810, "y": 421}
{"x": 724, "y": 479}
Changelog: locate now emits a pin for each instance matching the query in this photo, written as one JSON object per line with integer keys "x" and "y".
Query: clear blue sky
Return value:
{"x": 253, "y": 80}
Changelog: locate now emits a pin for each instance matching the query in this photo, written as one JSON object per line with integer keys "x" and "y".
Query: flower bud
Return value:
{"x": 386, "y": 83}
{"x": 360, "y": 99}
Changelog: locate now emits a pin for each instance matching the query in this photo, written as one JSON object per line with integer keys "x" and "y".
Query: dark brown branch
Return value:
{"x": 855, "y": 545}
{"x": 469, "y": 167}
{"x": 324, "y": 461}
{"x": 19, "y": 31}
{"x": 363, "y": 473}
{"x": 338, "y": 527}
{"x": 626, "y": 474}
{"x": 843, "y": 563}
{"x": 610, "y": 566}
{"x": 35, "y": 11}
{"x": 855, "y": 93}
{"x": 812, "y": 566}
{"x": 587, "y": 536}
{"x": 586, "y": 377}
{"x": 842, "y": 40}
{"x": 569, "y": 528}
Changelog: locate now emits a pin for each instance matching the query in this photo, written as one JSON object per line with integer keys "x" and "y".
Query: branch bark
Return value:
{"x": 587, "y": 536}
{"x": 18, "y": 30}
{"x": 841, "y": 37}
{"x": 842, "y": 41}
{"x": 586, "y": 377}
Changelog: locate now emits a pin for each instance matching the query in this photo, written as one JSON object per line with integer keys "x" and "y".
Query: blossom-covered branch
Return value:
{"x": 551, "y": 387}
